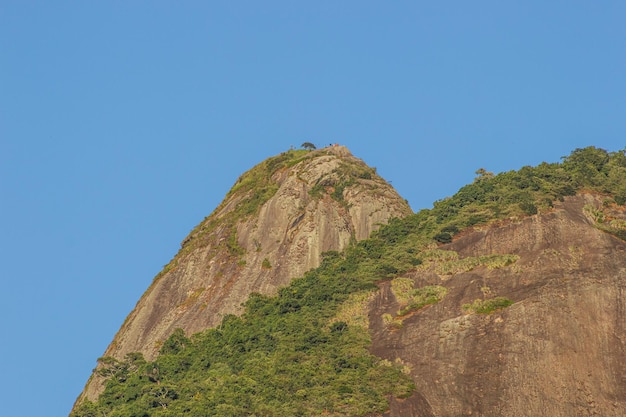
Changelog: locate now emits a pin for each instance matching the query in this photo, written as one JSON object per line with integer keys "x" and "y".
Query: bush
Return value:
{"x": 443, "y": 237}
{"x": 266, "y": 264}
{"x": 422, "y": 297}
{"x": 487, "y": 306}
{"x": 452, "y": 229}
{"x": 528, "y": 207}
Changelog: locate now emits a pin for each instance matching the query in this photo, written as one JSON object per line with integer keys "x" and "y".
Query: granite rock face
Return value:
{"x": 559, "y": 350}
{"x": 326, "y": 199}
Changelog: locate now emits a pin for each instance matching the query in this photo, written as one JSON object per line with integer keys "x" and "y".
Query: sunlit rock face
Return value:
{"x": 559, "y": 350}
{"x": 318, "y": 201}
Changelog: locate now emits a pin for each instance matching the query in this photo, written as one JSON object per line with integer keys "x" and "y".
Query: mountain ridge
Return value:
{"x": 423, "y": 283}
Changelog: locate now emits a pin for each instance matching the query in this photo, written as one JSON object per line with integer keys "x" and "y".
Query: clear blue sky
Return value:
{"x": 124, "y": 123}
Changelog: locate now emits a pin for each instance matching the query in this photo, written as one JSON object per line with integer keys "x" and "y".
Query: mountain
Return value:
{"x": 506, "y": 299}
{"x": 273, "y": 225}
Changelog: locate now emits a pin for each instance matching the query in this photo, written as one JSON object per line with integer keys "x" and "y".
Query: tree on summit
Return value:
{"x": 308, "y": 146}
{"x": 483, "y": 174}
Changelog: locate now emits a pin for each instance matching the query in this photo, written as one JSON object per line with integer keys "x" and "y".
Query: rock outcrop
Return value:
{"x": 272, "y": 227}
{"x": 559, "y": 350}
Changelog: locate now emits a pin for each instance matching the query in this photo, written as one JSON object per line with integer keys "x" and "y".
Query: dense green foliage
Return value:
{"x": 421, "y": 297}
{"x": 527, "y": 191}
{"x": 487, "y": 306}
{"x": 292, "y": 354}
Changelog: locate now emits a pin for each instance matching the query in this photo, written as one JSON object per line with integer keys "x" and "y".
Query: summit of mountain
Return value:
{"x": 272, "y": 226}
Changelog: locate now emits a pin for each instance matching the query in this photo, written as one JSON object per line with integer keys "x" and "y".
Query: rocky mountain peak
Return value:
{"x": 273, "y": 225}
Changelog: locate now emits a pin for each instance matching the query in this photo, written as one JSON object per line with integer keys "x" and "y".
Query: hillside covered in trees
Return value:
{"x": 307, "y": 351}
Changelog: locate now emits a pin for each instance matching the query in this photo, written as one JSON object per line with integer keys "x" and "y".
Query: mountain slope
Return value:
{"x": 505, "y": 299}
{"x": 273, "y": 226}
{"x": 558, "y": 350}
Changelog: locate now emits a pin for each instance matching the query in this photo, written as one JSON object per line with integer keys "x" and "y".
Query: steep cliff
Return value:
{"x": 272, "y": 227}
{"x": 558, "y": 350}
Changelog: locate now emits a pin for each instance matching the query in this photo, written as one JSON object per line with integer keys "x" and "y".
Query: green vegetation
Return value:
{"x": 487, "y": 306}
{"x": 286, "y": 356}
{"x": 256, "y": 186}
{"x": 527, "y": 191}
{"x": 250, "y": 191}
{"x": 342, "y": 177}
{"x": 354, "y": 311}
{"x": 411, "y": 299}
{"x": 422, "y": 297}
{"x": 299, "y": 353}
{"x": 266, "y": 264}
{"x": 604, "y": 220}
{"x": 448, "y": 262}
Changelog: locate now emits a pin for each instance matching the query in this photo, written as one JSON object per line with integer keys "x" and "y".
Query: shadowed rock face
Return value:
{"x": 559, "y": 350}
{"x": 321, "y": 203}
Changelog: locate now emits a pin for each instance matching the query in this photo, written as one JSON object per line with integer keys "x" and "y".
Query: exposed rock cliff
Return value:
{"x": 272, "y": 227}
{"x": 559, "y": 350}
